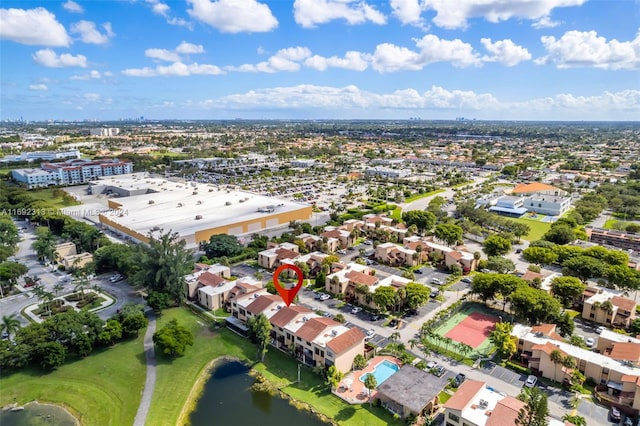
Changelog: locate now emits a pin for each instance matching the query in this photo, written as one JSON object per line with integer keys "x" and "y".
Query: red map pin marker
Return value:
{"x": 287, "y": 294}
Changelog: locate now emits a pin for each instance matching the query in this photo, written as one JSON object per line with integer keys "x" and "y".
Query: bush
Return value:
{"x": 517, "y": 367}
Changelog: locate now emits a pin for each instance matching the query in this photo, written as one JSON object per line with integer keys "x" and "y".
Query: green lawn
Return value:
{"x": 426, "y": 194}
{"x": 617, "y": 224}
{"x": 444, "y": 397}
{"x": 102, "y": 389}
{"x": 176, "y": 378}
{"x": 47, "y": 196}
{"x": 538, "y": 229}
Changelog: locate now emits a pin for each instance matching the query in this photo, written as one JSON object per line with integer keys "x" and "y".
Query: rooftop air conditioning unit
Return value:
{"x": 198, "y": 202}
{"x": 304, "y": 319}
{"x": 334, "y": 332}
{"x": 151, "y": 202}
{"x": 198, "y": 217}
{"x": 228, "y": 203}
{"x": 180, "y": 204}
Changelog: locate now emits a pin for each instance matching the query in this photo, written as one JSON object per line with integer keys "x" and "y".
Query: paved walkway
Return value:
{"x": 150, "y": 383}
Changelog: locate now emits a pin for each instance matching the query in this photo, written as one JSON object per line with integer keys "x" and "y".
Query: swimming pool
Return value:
{"x": 382, "y": 372}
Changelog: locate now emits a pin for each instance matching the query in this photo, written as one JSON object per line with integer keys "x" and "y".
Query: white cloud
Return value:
{"x": 389, "y": 57}
{"x": 352, "y": 60}
{"x": 92, "y": 75}
{"x": 163, "y": 9}
{"x": 90, "y": 34}
{"x": 162, "y": 54}
{"x": 175, "y": 69}
{"x": 545, "y": 22}
{"x": 309, "y": 13}
{"x": 49, "y": 58}
{"x": 455, "y": 14}
{"x": 587, "y": 49}
{"x": 284, "y": 60}
{"x": 351, "y": 101}
{"x": 72, "y": 6}
{"x": 189, "y": 48}
{"x": 92, "y": 97}
{"x": 33, "y": 26}
{"x": 38, "y": 87}
{"x": 234, "y": 16}
{"x": 351, "y": 97}
{"x": 505, "y": 51}
{"x": 409, "y": 12}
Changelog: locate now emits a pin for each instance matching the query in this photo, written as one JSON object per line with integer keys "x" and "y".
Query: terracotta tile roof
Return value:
{"x": 314, "y": 327}
{"x": 626, "y": 351}
{"x": 334, "y": 233}
{"x": 530, "y": 276}
{"x": 346, "y": 341}
{"x": 463, "y": 396}
{"x": 210, "y": 279}
{"x": 545, "y": 329}
{"x": 590, "y": 291}
{"x": 454, "y": 254}
{"x": 547, "y": 348}
{"x": 361, "y": 278}
{"x": 505, "y": 412}
{"x": 533, "y": 187}
{"x": 414, "y": 245}
{"x": 284, "y": 253}
{"x": 262, "y": 303}
{"x": 624, "y": 303}
{"x": 629, "y": 378}
{"x": 285, "y": 315}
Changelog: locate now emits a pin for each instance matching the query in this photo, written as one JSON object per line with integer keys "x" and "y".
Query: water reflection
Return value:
{"x": 228, "y": 401}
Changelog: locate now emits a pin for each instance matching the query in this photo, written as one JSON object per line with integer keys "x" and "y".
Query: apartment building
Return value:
{"x": 385, "y": 172}
{"x": 314, "y": 340}
{"x": 41, "y": 155}
{"x": 619, "y": 239}
{"x": 347, "y": 277}
{"x": 70, "y": 172}
{"x": 275, "y": 254}
{"x": 608, "y": 307}
{"x": 615, "y": 369}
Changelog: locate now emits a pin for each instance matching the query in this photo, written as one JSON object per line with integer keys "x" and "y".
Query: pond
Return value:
{"x": 35, "y": 414}
{"x": 227, "y": 400}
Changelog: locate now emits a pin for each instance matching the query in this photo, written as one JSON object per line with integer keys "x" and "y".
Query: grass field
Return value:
{"x": 618, "y": 224}
{"x": 425, "y": 195}
{"x": 538, "y": 229}
{"x": 176, "y": 378}
{"x": 103, "y": 389}
{"x": 53, "y": 201}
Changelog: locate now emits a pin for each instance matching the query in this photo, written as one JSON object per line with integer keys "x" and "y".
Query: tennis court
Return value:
{"x": 472, "y": 326}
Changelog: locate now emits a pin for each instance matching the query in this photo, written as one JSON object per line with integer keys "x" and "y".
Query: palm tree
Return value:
{"x": 81, "y": 282}
{"x": 569, "y": 363}
{"x": 58, "y": 288}
{"x": 413, "y": 343}
{"x": 556, "y": 358}
{"x": 10, "y": 324}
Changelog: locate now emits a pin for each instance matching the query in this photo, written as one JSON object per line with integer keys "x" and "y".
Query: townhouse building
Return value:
{"x": 344, "y": 279}
{"x": 312, "y": 339}
{"x": 614, "y": 367}
{"x": 608, "y": 307}
{"x": 619, "y": 239}
{"x": 273, "y": 256}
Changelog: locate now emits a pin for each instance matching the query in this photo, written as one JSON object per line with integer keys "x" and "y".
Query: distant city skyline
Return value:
{"x": 542, "y": 60}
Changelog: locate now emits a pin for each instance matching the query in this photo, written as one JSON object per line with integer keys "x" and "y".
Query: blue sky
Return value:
{"x": 219, "y": 59}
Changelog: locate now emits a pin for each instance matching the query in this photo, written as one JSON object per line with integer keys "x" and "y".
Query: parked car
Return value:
{"x": 457, "y": 381}
{"x": 589, "y": 342}
{"x": 467, "y": 280}
{"x": 431, "y": 364}
{"x": 324, "y": 297}
{"x": 531, "y": 381}
{"x": 115, "y": 278}
{"x": 436, "y": 281}
{"x": 341, "y": 252}
{"x": 614, "y": 414}
{"x": 356, "y": 310}
{"x": 518, "y": 251}
{"x": 393, "y": 323}
{"x": 370, "y": 333}
{"x": 368, "y": 242}
{"x": 438, "y": 371}
{"x": 375, "y": 317}
{"x": 434, "y": 294}
{"x": 600, "y": 329}
{"x": 418, "y": 271}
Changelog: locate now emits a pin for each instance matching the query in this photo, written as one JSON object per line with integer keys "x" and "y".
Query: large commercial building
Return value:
{"x": 41, "y": 155}
{"x": 196, "y": 211}
{"x": 70, "y": 172}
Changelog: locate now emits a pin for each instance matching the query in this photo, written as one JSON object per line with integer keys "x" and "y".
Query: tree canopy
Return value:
{"x": 495, "y": 245}
{"x": 448, "y": 232}
{"x": 172, "y": 339}
{"x": 567, "y": 289}
{"x": 222, "y": 245}
{"x": 260, "y": 330}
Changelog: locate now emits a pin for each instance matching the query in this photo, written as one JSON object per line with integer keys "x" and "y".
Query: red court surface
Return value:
{"x": 473, "y": 330}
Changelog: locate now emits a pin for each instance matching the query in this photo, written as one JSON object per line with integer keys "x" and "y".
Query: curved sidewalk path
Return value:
{"x": 150, "y": 383}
